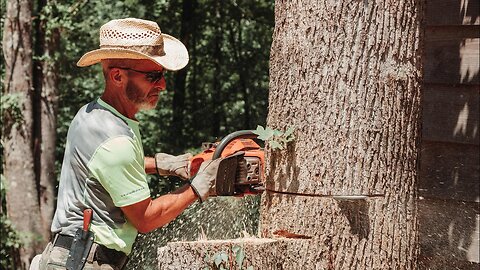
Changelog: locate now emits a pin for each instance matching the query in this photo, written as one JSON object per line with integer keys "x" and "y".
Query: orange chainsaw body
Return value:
{"x": 243, "y": 169}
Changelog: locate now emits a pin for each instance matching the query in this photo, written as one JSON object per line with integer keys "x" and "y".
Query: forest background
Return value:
{"x": 224, "y": 88}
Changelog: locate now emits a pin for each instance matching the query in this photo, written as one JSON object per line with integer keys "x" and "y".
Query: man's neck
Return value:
{"x": 121, "y": 105}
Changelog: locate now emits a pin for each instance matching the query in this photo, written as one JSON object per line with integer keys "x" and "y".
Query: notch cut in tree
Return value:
{"x": 347, "y": 75}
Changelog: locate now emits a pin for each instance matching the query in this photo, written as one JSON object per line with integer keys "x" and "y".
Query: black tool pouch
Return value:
{"x": 82, "y": 243}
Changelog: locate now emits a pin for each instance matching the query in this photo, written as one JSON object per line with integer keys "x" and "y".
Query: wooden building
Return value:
{"x": 449, "y": 196}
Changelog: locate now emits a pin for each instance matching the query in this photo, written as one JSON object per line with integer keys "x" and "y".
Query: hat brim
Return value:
{"x": 175, "y": 58}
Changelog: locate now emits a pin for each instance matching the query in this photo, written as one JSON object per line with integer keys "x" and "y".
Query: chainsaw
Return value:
{"x": 241, "y": 170}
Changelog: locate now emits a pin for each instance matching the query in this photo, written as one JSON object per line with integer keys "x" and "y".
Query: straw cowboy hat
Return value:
{"x": 137, "y": 39}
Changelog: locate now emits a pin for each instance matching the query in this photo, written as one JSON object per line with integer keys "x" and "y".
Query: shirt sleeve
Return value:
{"x": 119, "y": 167}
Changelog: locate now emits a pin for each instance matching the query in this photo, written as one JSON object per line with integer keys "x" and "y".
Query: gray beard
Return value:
{"x": 132, "y": 95}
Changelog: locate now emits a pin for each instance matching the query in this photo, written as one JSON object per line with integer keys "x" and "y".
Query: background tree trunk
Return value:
{"x": 178, "y": 103}
{"x": 45, "y": 108}
{"x": 217, "y": 97}
{"x": 347, "y": 76}
{"x": 48, "y": 138}
{"x": 21, "y": 190}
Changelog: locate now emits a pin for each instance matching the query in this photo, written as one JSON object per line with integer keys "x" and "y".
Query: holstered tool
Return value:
{"x": 82, "y": 243}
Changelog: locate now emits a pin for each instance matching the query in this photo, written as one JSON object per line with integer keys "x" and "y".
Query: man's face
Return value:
{"x": 144, "y": 85}
{"x": 144, "y": 98}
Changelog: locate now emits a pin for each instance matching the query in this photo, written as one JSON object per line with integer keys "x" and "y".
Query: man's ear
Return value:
{"x": 116, "y": 76}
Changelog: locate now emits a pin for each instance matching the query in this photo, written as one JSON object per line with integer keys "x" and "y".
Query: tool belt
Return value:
{"x": 98, "y": 252}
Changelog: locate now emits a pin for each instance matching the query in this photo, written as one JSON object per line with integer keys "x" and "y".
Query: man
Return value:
{"x": 104, "y": 168}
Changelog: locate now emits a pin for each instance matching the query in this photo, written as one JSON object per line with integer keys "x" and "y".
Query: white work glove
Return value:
{"x": 205, "y": 178}
{"x": 173, "y": 165}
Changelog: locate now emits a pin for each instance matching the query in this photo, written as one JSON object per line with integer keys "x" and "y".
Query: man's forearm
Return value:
{"x": 172, "y": 205}
{"x": 151, "y": 214}
{"x": 150, "y": 167}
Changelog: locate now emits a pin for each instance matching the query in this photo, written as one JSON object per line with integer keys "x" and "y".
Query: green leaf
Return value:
{"x": 277, "y": 133}
{"x": 239, "y": 257}
{"x": 217, "y": 259}
{"x": 263, "y": 134}
{"x": 289, "y": 131}
{"x": 258, "y": 130}
{"x": 276, "y": 145}
{"x": 224, "y": 257}
{"x": 250, "y": 268}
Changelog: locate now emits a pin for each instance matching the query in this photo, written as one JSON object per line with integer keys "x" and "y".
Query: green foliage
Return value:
{"x": 277, "y": 139}
{"x": 10, "y": 108}
{"x": 9, "y": 239}
{"x": 239, "y": 255}
{"x": 222, "y": 260}
{"x": 9, "y": 242}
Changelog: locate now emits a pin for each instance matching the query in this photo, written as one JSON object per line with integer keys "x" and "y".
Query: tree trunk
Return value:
{"x": 180, "y": 78}
{"x": 217, "y": 98}
{"x": 45, "y": 108}
{"x": 49, "y": 106}
{"x": 21, "y": 190}
{"x": 242, "y": 69}
{"x": 347, "y": 77}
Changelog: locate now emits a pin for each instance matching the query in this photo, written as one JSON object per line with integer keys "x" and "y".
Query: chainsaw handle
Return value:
{"x": 87, "y": 218}
{"x": 241, "y": 134}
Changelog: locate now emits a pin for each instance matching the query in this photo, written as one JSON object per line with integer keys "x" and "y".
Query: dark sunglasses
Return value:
{"x": 152, "y": 76}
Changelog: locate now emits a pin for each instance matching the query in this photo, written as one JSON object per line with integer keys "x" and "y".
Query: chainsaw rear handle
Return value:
{"x": 241, "y": 134}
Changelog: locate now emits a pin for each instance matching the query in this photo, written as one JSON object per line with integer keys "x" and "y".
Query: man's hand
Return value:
{"x": 173, "y": 165}
{"x": 205, "y": 178}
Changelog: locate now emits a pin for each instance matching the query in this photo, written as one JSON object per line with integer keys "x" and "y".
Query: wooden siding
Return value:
{"x": 451, "y": 113}
{"x": 449, "y": 192}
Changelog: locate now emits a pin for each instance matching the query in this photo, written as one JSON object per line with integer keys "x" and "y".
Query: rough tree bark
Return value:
{"x": 21, "y": 190}
{"x": 45, "y": 113}
{"x": 347, "y": 76}
{"x": 49, "y": 105}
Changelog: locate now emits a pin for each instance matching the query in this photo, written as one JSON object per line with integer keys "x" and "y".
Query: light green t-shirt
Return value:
{"x": 103, "y": 169}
